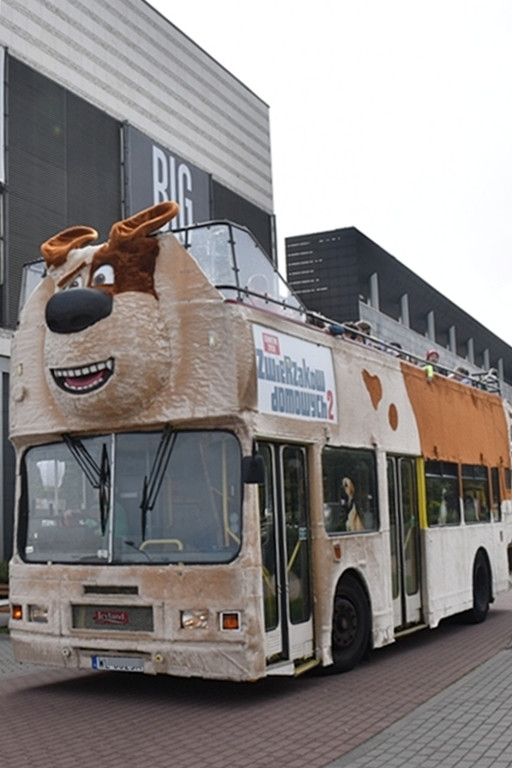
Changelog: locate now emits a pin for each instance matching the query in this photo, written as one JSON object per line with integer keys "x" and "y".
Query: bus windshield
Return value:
{"x": 162, "y": 497}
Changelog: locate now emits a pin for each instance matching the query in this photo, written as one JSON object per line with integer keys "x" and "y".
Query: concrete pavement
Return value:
{"x": 468, "y": 725}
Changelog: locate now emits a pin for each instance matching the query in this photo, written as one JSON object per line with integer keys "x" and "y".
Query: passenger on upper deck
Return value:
{"x": 350, "y": 331}
{"x": 358, "y": 331}
{"x": 366, "y": 331}
{"x": 461, "y": 374}
{"x": 490, "y": 380}
{"x": 395, "y": 348}
{"x": 432, "y": 359}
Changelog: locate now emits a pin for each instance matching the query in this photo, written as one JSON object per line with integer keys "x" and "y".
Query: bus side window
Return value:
{"x": 508, "y": 480}
{"x": 495, "y": 495}
{"x": 442, "y": 485}
{"x": 350, "y": 490}
{"x": 475, "y": 493}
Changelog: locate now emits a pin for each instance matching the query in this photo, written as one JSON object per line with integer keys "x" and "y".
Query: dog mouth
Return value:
{"x": 87, "y": 378}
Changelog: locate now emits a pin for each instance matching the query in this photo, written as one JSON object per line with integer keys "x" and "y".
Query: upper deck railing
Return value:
{"x": 239, "y": 268}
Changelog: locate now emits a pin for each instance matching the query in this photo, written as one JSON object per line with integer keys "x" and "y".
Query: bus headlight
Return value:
{"x": 38, "y": 613}
{"x": 194, "y": 619}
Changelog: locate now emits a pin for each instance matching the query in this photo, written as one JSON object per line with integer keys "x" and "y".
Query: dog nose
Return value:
{"x": 76, "y": 309}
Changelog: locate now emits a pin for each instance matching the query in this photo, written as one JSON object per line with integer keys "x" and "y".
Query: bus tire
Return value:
{"x": 481, "y": 590}
{"x": 351, "y": 625}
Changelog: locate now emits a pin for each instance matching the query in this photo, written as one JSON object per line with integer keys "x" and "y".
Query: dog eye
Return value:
{"x": 104, "y": 275}
{"x": 76, "y": 282}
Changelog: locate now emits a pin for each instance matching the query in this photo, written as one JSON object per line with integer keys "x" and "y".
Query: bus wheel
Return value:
{"x": 350, "y": 625}
{"x": 481, "y": 590}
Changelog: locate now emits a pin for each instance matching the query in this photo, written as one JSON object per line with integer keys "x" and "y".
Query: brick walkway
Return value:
{"x": 417, "y": 703}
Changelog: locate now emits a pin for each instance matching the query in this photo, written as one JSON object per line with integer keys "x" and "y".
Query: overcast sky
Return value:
{"x": 393, "y": 116}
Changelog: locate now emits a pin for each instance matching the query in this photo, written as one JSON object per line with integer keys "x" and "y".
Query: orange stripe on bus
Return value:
{"x": 457, "y": 422}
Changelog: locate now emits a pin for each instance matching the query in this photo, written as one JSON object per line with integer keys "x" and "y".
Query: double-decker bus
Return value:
{"x": 212, "y": 482}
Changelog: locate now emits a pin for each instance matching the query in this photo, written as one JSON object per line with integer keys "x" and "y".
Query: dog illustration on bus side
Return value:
{"x": 349, "y": 505}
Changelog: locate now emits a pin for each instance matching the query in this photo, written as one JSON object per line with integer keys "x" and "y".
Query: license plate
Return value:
{"x": 118, "y": 663}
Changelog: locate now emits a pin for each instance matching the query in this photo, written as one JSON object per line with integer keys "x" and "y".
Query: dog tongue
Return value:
{"x": 84, "y": 381}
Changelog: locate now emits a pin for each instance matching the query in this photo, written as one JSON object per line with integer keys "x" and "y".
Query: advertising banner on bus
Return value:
{"x": 295, "y": 377}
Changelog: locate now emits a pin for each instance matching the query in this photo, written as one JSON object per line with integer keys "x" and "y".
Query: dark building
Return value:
{"x": 345, "y": 276}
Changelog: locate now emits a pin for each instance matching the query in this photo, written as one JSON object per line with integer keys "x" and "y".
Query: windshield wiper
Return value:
{"x": 97, "y": 475}
{"x": 104, "y": 488}
{"x": 152, "y": 484}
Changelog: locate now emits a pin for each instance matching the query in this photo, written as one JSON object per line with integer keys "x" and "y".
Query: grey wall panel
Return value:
{"x": 227, "y": 205}
{"x": 63, "y": 169}
{"x": 125, "y": 58}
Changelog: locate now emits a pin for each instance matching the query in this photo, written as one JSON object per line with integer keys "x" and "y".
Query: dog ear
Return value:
{"x": 143, "y": 223}
{"x": 56, "y": 249}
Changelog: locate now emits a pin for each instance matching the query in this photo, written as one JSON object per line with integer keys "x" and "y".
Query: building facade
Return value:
{"x": 345, "y": 276}
{"x": 108, "y": 108}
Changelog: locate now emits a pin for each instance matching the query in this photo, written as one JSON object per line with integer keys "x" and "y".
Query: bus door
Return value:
{"x": 285, "y": 550}
{"x": 404, "y": 540}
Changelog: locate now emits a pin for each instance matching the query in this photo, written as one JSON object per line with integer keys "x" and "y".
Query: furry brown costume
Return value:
{"x": 104, "y": 309}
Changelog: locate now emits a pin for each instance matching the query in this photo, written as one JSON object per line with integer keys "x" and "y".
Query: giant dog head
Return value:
{"x": 106, "y": 351}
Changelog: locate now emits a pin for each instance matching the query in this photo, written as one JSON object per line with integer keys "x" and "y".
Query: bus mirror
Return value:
{"x": 253, "y": 469}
